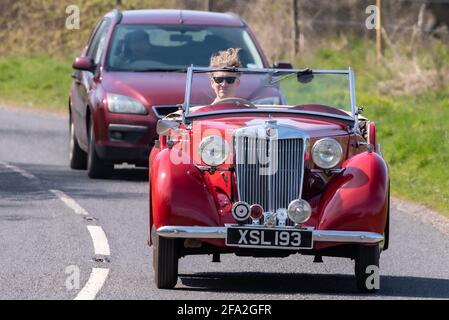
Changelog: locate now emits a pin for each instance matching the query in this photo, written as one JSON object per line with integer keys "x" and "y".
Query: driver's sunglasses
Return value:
{"x": 229, "y": 80}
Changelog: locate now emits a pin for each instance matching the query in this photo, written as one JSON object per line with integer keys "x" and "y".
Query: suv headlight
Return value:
{"x": 122, "y": 104}
{"x": 327, "y": 153}
{"x": 214, "y": 150}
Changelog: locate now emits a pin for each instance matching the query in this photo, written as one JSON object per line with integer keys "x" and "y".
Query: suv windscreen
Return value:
{"x": 147, "y": 47}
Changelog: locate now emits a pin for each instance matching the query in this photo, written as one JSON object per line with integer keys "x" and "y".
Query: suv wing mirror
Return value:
{"x": 84, "y": 64}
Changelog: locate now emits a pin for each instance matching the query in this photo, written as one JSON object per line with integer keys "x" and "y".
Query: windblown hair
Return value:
{"x": 226, "y": 59}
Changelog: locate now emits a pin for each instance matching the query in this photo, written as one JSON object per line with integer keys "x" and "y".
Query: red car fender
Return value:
{"x": 154, "y": 152}
{"x": 357, "y": 199}
{"x": 180, "y": 195}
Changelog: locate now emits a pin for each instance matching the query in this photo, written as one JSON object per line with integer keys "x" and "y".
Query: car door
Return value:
{"x": 85, "y": 82}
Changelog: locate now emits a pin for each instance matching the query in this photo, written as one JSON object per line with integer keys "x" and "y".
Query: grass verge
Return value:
{"x": 38, "y": 81}
{"x": 407, "y": 97}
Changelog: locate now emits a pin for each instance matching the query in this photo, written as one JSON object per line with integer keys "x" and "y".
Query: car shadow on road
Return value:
{"x": 75, "y": 183}
{"x": 340, "y": 285}
{"x": 134, "y": 174}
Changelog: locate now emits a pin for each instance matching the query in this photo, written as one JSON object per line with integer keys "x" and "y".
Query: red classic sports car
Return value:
{"x": 132, "y": 72}
{"x": 286, "y": 166}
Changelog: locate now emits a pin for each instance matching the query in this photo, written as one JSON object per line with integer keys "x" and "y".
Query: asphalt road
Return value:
{"x": 43, "y": 239}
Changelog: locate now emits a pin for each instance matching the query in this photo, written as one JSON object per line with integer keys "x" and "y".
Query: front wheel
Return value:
{"x": 367, "y": 268}
{"x": 165, "y": 262}
{"x": 77, "y": 157}
{"x": 96, "y": 167}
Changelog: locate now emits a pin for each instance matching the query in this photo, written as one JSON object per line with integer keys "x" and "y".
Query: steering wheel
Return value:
{"x": 238, "y": 100}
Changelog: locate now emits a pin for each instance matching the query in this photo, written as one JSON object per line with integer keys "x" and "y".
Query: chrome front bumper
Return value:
{"x": 318, "y": 235}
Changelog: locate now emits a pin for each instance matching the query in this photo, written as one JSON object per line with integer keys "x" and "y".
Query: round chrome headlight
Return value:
{"x": 214, "y": 150}
{"x": 299, "y": 211}
{"x": 327, "y": 153}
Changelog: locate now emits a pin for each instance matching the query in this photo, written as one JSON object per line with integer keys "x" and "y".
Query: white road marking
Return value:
{"x": 18, "y": 170}
{"x": 69, "y": 202}
{"x": 100, "y": 241}
{"x": 94, "y": 284}
{"x": 101, "y": 247}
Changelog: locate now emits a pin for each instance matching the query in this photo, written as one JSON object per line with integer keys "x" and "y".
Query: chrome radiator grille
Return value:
{"x": 269, "y": 171}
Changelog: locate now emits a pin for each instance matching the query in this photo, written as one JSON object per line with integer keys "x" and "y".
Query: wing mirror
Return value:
{"x": 305, "y": 76}
{"x": 84, "y": 64}
{"x": 164, "y": 126}
{"x": 282, "y": 65}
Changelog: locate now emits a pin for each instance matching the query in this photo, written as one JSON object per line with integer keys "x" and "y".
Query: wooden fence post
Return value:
{"x": 207, "y": 5}
{"x": 379, "y": 47}
{"x": 296, "y": 30}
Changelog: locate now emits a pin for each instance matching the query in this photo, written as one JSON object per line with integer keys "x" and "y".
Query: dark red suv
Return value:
{"x": 132, "y": 73}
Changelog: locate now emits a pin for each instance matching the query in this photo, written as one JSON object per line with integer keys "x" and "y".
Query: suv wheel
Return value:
{"x": 96, "y": 168}
{"x": 77, "y": 157}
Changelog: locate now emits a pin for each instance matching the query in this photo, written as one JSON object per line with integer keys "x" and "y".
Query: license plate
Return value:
{"x": 247, "y": 237}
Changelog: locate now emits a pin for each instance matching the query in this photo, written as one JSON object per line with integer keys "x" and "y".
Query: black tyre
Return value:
{"x": 96, "y": 167}
{"x": 165, "y": 262}
{"x": 387, "y": 225}
{"x": 367, "y": 268}
{"x": 77, "y": 157}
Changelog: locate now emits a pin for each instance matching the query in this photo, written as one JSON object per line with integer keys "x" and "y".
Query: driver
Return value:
{"x": 225, "y": 83}
{"x": 137, "y": 46}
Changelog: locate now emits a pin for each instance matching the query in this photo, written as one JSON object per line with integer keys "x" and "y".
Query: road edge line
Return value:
{"x": 100, "y": 241}
{"x": 96, "y": 281}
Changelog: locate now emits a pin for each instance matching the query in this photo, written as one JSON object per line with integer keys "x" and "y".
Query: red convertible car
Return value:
{"x": 132, "y": 72}
{"x": 287, "y": 166}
